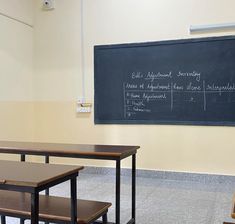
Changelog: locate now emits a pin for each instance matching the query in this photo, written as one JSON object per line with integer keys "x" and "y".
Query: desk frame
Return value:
{"x": 118, "y": 190}
{"x": 34, "y": 191}
{"x": 114, "y": 153}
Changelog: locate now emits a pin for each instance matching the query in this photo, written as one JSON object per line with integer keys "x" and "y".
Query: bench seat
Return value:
{"x": 51, "y": 208}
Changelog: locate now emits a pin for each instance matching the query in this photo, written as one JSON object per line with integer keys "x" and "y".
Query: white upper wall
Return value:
{"x": 130, "y": 21}
{"x": 118, "y": 21}
{"x": 16, "y": 51}
{"x": 57, "y": 35}
{"x": 20, "y": 9}
{"x": 57, "y": 51}
{"x": 58, "y": 77}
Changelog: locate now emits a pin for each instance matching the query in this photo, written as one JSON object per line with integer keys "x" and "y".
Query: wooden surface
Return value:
{"x": 68, "y": 150}
{"x": 51, "y": 208}
{"x": 33, "y": 174}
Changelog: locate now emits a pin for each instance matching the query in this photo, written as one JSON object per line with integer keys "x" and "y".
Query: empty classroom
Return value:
{"x": 132, "y": 104}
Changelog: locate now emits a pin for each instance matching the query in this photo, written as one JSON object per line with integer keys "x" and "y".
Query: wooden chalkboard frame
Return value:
{"x": 98, "y": 102}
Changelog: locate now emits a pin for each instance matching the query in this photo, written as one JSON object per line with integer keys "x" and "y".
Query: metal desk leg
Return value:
{"x": 133, "y": 187}
{"x": 22, "y": 159}
{"x": 34, "y": 207}
{"x": 3, "y": 219}
{"x": 118, "y": 190}
{"x": 73, "y": 192}
{"x": 47, "y": 160}
{"x": 133, "y": 194}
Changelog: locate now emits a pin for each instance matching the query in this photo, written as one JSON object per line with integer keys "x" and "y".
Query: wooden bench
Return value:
{"x": 51, "y": 209}
{"x": 102, "y": 152}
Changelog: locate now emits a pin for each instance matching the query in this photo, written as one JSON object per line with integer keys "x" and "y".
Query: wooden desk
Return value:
{"x": 102, "y": 152}
{"x": 35, "y": 177}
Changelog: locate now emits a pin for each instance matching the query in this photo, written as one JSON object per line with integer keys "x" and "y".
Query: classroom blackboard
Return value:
{"x": 189, "y": 81}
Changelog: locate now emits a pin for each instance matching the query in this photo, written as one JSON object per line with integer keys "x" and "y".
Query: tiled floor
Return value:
{"x": 159, "y": 201}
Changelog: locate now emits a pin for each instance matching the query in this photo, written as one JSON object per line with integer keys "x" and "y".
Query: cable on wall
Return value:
{"x": 82, "y": 105}
{"x": 82, "y": 52}
{"x": 15, "y": 19}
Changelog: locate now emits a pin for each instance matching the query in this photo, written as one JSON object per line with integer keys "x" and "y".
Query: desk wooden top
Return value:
{"x": 107, "y": 152}
{"x": 33, "y": 174}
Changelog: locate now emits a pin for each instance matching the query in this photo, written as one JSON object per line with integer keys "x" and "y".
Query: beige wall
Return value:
{"x": 58, "y": 80}
{"x": 21, "y": 10}
{"x": 16, "y": 67}
{"x": 16, "y": 56}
